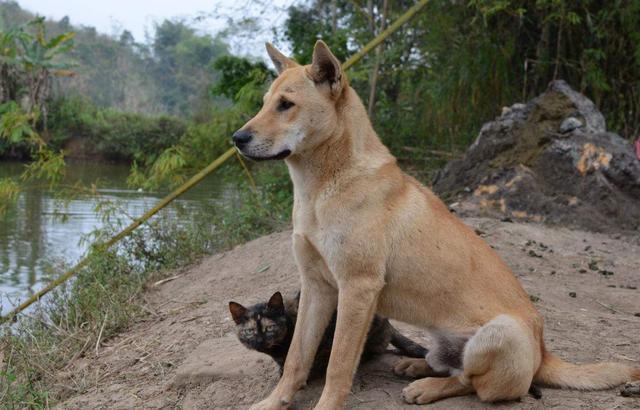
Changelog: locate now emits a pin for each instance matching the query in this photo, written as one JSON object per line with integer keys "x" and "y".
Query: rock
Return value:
{"x": 631, "y": 390}
{"x": 523, "y": 167}
{"x": 570, "y": 124}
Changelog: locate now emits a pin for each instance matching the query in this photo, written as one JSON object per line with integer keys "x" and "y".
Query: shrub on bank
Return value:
{"x": 116, "y": 135}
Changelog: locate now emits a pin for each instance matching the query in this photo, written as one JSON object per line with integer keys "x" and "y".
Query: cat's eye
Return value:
{"x": 269, "y": 328}
{"x": 248, "y": 332}
{"x": 284, "y": 105}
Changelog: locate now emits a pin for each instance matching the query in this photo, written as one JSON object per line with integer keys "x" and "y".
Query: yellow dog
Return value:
{"x": 368, "y": 238}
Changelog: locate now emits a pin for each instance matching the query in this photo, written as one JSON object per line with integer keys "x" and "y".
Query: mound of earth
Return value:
{"x": 550, "y": 160}
{"x": 184, "y": 354}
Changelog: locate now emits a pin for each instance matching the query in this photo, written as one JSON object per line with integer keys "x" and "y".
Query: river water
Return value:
{"x": 38, "y": 232}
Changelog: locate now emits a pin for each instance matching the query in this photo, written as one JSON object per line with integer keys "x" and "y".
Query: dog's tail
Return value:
{"x": 556, "y": 372}
{"x": 406, "y": 346}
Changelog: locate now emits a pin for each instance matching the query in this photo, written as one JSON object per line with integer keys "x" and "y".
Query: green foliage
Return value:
{"x": 457, "y": 63}
{"x": 204, "y": 142}
{"x": 16, "y": 128}
{"x": 236, "y": 73}
{"x": 306, "y": 25}
{"x": 9, "y": 190}
{"x": 114, "y": 134}
{"x": 183, "y": 65}
{"x": 170, "y": 74}
{"x": 39, "y": 52}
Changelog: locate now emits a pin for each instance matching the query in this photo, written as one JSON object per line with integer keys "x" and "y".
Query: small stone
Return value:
{"x": 605, "y": 272}
{"x": 534, "y": 298}
{"x": 553, "y": 272}
{"x": 533, "y": 254}
{"x": 587, "y": 248}
{"x": 582, "y": 270}
{"x": 569, "y": 124}
{"x": 573, "y": 294}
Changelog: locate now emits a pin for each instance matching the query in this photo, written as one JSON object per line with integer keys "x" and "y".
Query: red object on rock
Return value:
{"x": 638, "y": 148}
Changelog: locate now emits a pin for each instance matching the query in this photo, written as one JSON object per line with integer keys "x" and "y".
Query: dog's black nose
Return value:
{"x": 242, "y": 138}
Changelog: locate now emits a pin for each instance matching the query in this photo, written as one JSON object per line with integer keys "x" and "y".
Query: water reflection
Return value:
{"x": 39, "y": 232}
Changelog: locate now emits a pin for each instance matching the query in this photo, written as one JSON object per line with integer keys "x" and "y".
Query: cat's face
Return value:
{"x": 261, "y": 327}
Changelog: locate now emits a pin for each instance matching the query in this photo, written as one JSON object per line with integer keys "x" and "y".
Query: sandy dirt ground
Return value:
{"x": 183, "y": 354}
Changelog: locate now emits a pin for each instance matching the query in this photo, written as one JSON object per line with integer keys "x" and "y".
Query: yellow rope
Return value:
{"x": 200, "y": 175}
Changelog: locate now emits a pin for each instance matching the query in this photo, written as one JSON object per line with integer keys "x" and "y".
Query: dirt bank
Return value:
{"x": 549, "y": 160}
{"x": 183, "y": 354}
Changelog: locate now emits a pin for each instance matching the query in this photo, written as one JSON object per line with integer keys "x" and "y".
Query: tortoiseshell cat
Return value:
{"x": 268, "y": 328}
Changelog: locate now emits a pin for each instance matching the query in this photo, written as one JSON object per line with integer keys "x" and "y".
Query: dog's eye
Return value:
{"x": 284, "y": 105}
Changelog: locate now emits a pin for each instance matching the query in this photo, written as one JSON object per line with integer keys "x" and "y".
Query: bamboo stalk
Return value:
{"x": 198, "y": 177}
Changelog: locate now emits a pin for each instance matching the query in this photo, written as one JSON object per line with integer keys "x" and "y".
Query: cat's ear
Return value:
{"x": 276, "y": 304}
{"x": 237, "y": 312}
{"x": 280, "y": 61}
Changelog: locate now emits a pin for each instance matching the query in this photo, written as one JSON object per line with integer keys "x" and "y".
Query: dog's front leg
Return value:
{"x": 318, "y": 300}
{"x": 357, "y": 302}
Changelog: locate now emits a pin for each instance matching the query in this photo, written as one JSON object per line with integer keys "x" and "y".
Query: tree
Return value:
{"x": 38, "y": 58}
{"x": 184, "y": 65}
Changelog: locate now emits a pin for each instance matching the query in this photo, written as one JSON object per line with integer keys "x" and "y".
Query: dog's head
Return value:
{"x": 299, "y": 110}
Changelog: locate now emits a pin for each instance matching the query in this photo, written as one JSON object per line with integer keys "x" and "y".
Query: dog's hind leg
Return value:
{"x": 498, "y": 363}
{"x": 500, "y": 360}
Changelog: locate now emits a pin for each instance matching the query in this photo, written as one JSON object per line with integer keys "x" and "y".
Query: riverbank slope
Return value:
{"x": 183, "y": 354}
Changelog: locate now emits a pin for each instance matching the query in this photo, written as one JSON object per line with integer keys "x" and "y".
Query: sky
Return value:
{"x": 138, "y": 16}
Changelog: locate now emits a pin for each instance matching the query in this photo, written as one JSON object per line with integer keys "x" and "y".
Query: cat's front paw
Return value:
{"x": 271, "y": 404}
{"x": 413, "y": 368}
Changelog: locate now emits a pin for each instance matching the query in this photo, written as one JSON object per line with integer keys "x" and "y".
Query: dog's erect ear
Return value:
{"x": 237, "y": 312}
{"x": 326, "y": 68}
{"x": 281, "y": 61}
{"x": 276, "y": 303}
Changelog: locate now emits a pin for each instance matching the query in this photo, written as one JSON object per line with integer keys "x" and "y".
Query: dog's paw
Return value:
{"x": 413, "y": 368}
{"x": 270, "y": 404}
{"x": 418, "y": 392}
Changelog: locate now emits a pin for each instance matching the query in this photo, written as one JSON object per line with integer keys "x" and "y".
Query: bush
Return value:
{"x": 115, "y": 134}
